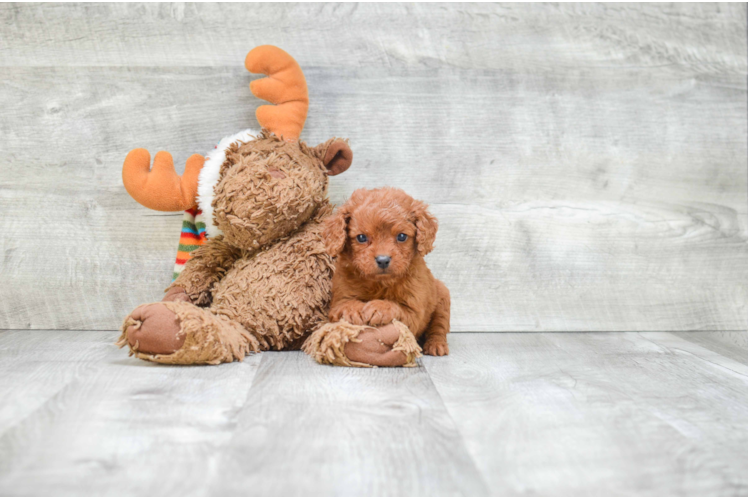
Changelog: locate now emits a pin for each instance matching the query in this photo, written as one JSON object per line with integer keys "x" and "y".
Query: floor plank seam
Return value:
{"x": 457, "y": 429}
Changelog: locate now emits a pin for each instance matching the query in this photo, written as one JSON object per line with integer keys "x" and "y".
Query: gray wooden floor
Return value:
{"x": 505, "y": 414}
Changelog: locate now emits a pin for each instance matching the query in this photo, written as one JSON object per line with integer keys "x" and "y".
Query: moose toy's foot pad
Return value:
{"x": 344, "y": 344}
{"x": 179, "y": 333}
{"x": 152, "y": 329}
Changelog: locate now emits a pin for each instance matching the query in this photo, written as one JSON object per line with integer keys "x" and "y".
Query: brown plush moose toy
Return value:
{"x": 262, "y": 280}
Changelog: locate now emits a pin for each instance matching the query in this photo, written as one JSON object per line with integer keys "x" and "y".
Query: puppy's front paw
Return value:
{"x": 380, "y": 312}
{"x": 436, "y": 347}
{"x": 350, "y": 312}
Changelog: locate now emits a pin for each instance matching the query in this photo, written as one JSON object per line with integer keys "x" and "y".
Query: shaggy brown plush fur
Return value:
{"x": 266, "y": 282}
{"x": 201, "y": 337}
{"x": 387, "y": 223}
{"x": 342, "y": 344}
{"x": 267, "y": 189}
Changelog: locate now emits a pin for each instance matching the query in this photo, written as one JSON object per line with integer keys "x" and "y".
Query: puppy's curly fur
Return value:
{"x": 389, "y": 224}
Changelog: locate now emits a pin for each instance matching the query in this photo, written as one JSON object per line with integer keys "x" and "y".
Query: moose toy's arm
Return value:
{"x": 208, "y": 265}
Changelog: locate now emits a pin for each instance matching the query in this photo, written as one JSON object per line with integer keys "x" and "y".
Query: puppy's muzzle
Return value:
{"x": 383, "y": 261}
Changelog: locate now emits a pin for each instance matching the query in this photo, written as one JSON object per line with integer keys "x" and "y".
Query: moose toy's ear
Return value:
{"x": 335, "y": 154}
{"x": 338, "y": 157}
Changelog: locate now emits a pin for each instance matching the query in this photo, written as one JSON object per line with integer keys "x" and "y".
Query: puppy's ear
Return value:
{"x": 426, "y": 227}
{"x": 335, "y": 231}
{"x": 335, "y": 155}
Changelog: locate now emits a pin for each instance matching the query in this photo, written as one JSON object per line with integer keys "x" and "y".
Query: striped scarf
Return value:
{"x": 192, "y": 237}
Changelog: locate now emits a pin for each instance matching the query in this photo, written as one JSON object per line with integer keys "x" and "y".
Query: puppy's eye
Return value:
{"x": 361, "y": 238}
{"x": 402, "y": 237}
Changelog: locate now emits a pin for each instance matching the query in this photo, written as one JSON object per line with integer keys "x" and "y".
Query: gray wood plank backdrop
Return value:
{"x": 587, "y": 162}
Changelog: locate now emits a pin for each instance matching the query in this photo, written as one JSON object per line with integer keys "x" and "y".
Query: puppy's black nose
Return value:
{"x": 383, "y": 261}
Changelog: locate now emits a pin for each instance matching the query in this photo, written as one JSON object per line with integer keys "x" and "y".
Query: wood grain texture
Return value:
{"x": 77, "y": 417}
{"x": 340, "y": 35}
{"x": 598, "y": 414}
{"x": 318, "y": 430}
{"x": 587, "y": 163}
{"x": 614, "y": 413}
{"x": 732, "y": 344}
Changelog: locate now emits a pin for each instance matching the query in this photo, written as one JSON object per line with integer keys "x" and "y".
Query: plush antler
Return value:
{"x": 285, "y": 86}
{"x": 161, "y": 188}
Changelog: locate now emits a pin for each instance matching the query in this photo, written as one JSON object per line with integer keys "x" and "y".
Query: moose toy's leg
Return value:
{"x": 180, "y": 333}
{"x": 344, "y": 344}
